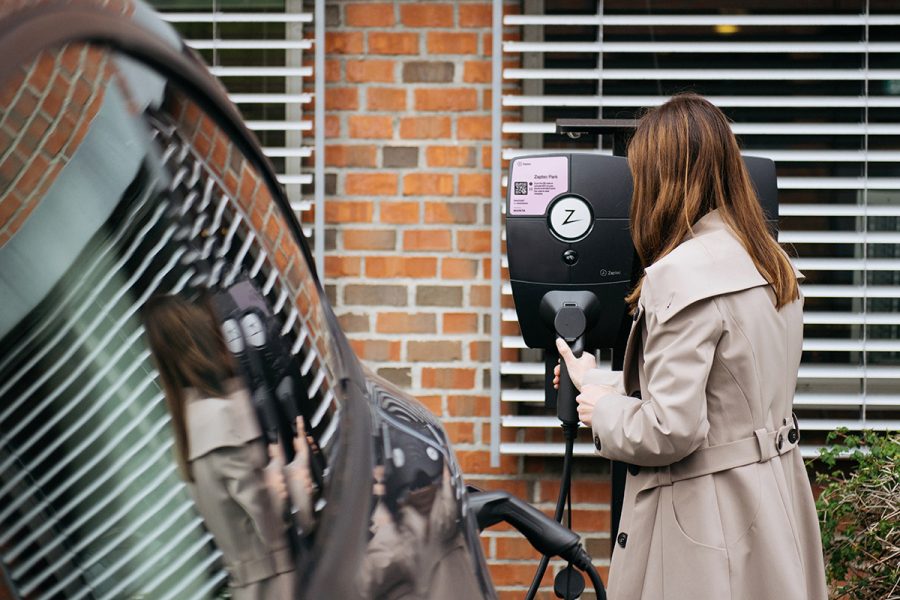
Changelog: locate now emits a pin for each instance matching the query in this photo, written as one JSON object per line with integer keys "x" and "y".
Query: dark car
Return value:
{"x": 126, "y": 175}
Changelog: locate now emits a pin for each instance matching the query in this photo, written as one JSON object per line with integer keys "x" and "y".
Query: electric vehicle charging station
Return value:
{"x": 572, "y": 262}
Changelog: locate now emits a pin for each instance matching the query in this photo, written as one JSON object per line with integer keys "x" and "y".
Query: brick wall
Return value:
{"x": 407, "y": 265}
{"x": 45, "y": 111}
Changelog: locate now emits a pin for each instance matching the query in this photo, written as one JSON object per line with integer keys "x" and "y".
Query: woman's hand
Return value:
{"x": 578, "y": 367}
{"x": 587, "y": 400}
{"x": 273, "y": 475}
{"x": 299, "y": 480}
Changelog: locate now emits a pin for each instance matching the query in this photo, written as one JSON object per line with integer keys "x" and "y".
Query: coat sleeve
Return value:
{"x": 670, "y": 421}
{"x": 245, "y": 485}
{"x": 612, "y": 379}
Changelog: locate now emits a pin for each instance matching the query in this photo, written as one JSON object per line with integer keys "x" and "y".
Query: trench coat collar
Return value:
{"x": 711, "y": 262}
{"x": 227, "y": 421}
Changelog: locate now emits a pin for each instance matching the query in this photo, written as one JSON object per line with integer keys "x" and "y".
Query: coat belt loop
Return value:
{"x": 762, "y": 441}
{"x": 664, "y": 476}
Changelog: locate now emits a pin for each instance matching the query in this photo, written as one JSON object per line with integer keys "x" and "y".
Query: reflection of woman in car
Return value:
{"x": 717, "y": 501}
{"x": 219, "y": 446}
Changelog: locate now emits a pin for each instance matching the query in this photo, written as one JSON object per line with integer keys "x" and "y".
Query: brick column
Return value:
{"x": 408, "y": 263}
{"x": 408, "y": 237}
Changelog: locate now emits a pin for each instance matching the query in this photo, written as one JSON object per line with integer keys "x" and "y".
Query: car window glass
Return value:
{"x": 115, "y": 186}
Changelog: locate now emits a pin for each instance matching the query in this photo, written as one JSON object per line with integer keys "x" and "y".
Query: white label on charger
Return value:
{"x": 570, "y": 217}
{"x": 535, "y": 181}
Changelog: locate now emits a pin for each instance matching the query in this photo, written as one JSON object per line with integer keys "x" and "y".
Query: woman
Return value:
{"x": 717, "y": 503}
{"x": 219, "y": 447}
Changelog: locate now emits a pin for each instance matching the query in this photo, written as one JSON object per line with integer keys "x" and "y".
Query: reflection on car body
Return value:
{"x": 125, "y": 173}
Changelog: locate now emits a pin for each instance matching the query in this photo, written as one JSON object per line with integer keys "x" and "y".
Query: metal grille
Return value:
{"x": 814, "y": 89}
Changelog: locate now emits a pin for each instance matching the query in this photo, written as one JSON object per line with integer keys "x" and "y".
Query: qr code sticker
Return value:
{"x": 520, "y": 188}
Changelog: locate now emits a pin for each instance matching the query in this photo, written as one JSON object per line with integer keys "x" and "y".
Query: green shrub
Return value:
{"x": 859, "y": 512}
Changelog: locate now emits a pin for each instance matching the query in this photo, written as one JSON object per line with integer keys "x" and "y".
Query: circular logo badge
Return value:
{"x": 571, "y": 218}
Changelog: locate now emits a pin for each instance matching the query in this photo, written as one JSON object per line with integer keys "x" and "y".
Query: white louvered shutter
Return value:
{"x": 257, "y": 50}
{"x": 816, "y": 90}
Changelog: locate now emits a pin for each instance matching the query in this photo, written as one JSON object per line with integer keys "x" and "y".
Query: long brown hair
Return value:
{"x": 189, "y": 351}
{"x": 685, "y": 162}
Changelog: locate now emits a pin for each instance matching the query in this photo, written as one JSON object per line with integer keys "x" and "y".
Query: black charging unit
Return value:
{"x": 571, "y": 264}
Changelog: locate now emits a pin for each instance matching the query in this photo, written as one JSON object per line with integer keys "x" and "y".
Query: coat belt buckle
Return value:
{"x": 789, "y": 433}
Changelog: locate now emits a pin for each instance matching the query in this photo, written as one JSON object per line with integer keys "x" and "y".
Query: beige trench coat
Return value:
{"x": 227, "y": 457}
{"x": 720, "y": 507}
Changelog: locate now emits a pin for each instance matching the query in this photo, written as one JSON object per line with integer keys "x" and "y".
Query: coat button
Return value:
{"x": 634, "y": 469}
{"x": 779, "y": 441}
{"x": 597, "y": 443}
{"x": 793, "y": 436}
{"x": 622, "y": 539}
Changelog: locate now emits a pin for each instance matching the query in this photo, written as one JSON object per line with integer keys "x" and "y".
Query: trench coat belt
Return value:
{"x": 250, "y": 571}
{"x": 762, "y": 447}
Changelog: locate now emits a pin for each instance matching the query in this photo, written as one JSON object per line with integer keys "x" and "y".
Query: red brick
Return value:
{"x": 424, "y": 127}
{"x": 272, "y": 230}
{"x": 433, "y": 351}
{"x": 33, "y": 173}
{"x": 424, "y": 240}
{"x": 593, "y": 492}
{"x": 428, "y": 184}
{"x": 366, "y": 14}
{"x": 480, "y": 351}
{"x": 380, "y": 98}
{"x": 399, "y": 212}
{"x": 459, "y": 268}
{"x": 350, "y": 156}
{"x": 477, "y": 71}
{"x": 371, "y": 126}
{"x": 447, "y": 99}
{"x": 393, "y": 43}
{"x": 460, "y": 323}
{"x": 348, "y": 212}
{"x": 480, "y": 295}
{"x": 473, "y": 241}
{"x": 343, "y": 266}
{"x": 426, "y": 15}
{"x": 475, "y": 15}
{"x": 332, "y": 71}
{"x": 432, "y": 403}
{"x": 370, "y": 184}
{"x": 591, "y": 519}
{"x": 448, "y": 378}
{"x": 468, "y": 406}
{"x": 450, "y": 156}
{"x": 370, "y": 70}
{"x": 418, "y": 267}
{"x": 460, "y": 432}
{"x": 8, "y": 208}
{"x": 369, "y": 239}
{"x": 479, "y": 461}
{"x": 446, "y": 42}
{"x": 332, "y": 126}
{"x": 450, "y": 212}
{"x": 402, "y": 322}
{"x": 344, "y": 42}
{"x": 486, "y": 156}
{"x": 516, "y": 548}
{"x": 473, "y": 128}
{"x": 377, "y": 350}
{"x": 341, "y": 98}
{"x": 474, "y": 184}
